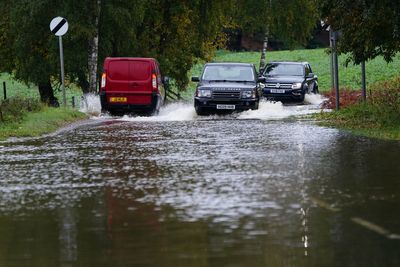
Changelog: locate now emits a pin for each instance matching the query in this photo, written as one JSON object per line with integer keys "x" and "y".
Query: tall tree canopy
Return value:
{"x": 369, "y": 28}
{"x": 173, "y": 31}
{"x": 289, "y": 21}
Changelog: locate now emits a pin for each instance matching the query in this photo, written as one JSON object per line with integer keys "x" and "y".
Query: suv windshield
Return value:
{"x": 228, "y": 73}
{"x": 280, "y": 69}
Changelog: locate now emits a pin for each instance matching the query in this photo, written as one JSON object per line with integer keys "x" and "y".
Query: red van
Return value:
{"x": 131, "y": 85}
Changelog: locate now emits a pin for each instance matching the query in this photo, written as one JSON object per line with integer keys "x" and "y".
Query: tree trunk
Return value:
{"x": 264, "y": 52}
{"x": 94, "y": 51}
{"x": 47, "y": 94}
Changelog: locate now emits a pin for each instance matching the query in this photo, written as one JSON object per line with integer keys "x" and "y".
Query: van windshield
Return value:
{"x": 228, "y": 73}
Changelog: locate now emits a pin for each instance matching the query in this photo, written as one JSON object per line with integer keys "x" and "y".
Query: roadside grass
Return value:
{"x": 39, "y": 122}
{"x": 378, "y": 117}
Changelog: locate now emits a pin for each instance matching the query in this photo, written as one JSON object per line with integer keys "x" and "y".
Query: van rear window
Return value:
{"x": 119, "y": 70}
{"x": 140, "y": 70}
{"x": 129, "y": 70}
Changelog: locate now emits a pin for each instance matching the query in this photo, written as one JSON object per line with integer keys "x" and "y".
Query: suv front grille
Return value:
{"x": 279, "y": 85}
{"x": 226, "y": 94}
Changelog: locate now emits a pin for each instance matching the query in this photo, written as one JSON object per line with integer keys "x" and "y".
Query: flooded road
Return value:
{"x": 260, "y": 188}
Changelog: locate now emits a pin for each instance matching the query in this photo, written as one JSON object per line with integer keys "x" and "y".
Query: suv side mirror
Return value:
{"x": 195, "y": 79}
{"x": 310, "y": 75}
{"x": 261, "y": 79}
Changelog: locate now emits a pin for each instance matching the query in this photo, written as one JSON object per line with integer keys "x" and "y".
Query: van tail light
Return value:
{"x": 103, "y": 80}
{"x": 154, "y": 81}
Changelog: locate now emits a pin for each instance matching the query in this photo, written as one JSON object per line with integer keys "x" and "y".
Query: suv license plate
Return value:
{"x": 277, "y": 91}
{"x": 225, "y": 106}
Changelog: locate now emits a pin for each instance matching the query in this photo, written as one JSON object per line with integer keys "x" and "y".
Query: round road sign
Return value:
{"x": 59, "y": 26}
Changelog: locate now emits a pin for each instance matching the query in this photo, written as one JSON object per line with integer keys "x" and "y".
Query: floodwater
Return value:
{"x": 259, "y": 188}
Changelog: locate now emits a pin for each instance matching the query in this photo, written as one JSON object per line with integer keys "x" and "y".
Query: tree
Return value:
{"x": 174, "y": 31}
{"x": 289, "y": 21}
{"x": 369, "y": 28}
{"x": 27, "y": 48}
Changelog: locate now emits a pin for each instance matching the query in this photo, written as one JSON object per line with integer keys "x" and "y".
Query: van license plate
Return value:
{"x": 118, "y": 99}
{"x": 225, "y": 106}
{"x": 277, "y": 91}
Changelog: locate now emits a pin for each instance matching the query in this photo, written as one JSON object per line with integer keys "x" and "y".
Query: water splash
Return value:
{"x": 179, "y": 111}
{"x": 314, "y": 99}
{"x": 90, "y": 104}
{"x": 277, "y": 110}
{"x": 184, "y": 111}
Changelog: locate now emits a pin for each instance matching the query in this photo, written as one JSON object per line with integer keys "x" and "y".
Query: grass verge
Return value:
{"x": 43, "y": 121}
{"x": 364, "y": 119}
{"x": 379, "y": 117}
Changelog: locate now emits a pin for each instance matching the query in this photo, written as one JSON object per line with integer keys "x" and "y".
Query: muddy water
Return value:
{"x": 259, "y": 188}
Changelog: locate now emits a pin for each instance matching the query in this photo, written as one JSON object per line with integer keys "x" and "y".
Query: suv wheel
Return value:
{"x": 200, "y": 111}
{"x": 302, "y": 97}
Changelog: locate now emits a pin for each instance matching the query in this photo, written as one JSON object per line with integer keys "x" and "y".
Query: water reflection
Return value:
{"x": 215, "y": 192}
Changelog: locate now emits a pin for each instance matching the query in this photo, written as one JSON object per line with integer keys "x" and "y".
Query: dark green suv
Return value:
{"x": 227, "y": 87}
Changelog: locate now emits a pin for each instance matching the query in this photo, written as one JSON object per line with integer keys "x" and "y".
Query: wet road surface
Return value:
{"x": 253, "y": 189}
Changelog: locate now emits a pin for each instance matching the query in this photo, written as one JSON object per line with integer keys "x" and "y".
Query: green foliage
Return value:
{"x": 370, "y": 28}
{"x": 288, "y": 21}
{"x": 175, "y": 32}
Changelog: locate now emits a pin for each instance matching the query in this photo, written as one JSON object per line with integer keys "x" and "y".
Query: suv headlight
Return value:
{"x": 296, "y": 86}
{"x": 248, "y": 94}
{"x": 204, "y": 93}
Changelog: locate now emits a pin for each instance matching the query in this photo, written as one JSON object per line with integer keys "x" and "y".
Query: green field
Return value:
{"x": 16, "y": 88}
{"x": 349, "y": 77}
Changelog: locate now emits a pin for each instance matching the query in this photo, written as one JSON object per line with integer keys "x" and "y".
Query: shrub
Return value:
{"x": 347, "y": 97}
{"x": 14, "y": 109}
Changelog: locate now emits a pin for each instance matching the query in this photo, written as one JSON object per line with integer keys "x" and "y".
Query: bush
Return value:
{"x": 347, "y": 97}
{"x": 14, "y": 109}
{"x": 381, "y": 111}
{"x": 386, "y": 95}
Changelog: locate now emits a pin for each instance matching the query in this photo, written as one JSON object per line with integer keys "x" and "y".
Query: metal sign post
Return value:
{"x": 59, "y": 26}
{"x": 334, "y": 39}
{"x": 62, "y": 70}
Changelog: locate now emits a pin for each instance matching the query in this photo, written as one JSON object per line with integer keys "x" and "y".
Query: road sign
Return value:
{"x": 59, "y": 26}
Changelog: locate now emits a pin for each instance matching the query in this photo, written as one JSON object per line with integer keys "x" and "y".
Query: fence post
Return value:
{"x": 5, "y": 90}
{"x": 73, "y": 101}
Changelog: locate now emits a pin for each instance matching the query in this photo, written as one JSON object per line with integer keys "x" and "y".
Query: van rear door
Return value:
{"x": 130, "y": 78}
{"x": 118, "y": 75}
{"x": 140, "y": 75}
